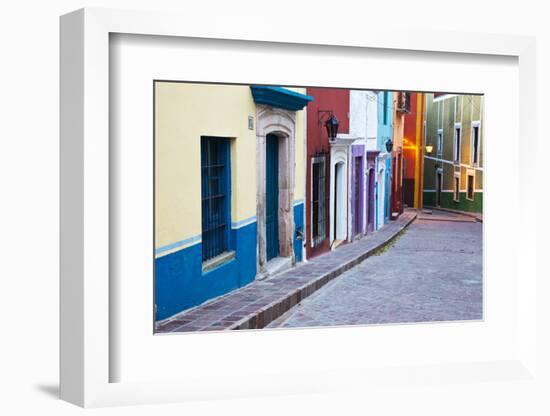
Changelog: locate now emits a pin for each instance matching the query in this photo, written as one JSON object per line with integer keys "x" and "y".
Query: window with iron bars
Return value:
{"x": 215, "y": 194}
{"x": 318, "y": 200}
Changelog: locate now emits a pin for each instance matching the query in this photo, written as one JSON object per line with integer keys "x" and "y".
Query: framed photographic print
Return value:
{"x": 271, "y": 213}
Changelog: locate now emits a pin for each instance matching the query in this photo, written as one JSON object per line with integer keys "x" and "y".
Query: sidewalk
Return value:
{"x": 445, "y": 215}
{"x": 259, "y": 303}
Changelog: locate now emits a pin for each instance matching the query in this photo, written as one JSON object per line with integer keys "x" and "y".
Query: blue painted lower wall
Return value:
{"x": 298, "y": 225}
{"x": 388, "y": 189}
{"x": 386, "y": 183}
{"x": 180, "y": 283}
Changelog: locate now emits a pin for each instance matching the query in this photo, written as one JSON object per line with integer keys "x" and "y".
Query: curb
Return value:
{"x": 454, "y": 211}
{"x": 447, "y": 219}
{"x": 261, "y": 318}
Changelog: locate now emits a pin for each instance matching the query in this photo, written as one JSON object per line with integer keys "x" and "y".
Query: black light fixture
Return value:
{"x": 332, "y": 127}
{"x": 389, "y": 145}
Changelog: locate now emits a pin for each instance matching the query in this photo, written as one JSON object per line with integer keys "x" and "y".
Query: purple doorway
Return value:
{"x": 358, "y": 195}
{"x": 370, "y": 206}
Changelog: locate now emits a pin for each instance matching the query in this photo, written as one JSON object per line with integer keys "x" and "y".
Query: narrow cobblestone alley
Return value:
{"x": 432, "y": 272}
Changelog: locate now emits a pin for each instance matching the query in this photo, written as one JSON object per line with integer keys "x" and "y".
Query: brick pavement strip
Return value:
{"x": 259, "y": 303}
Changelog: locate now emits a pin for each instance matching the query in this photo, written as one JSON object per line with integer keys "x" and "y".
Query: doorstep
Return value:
{"x": 275, "y": 266}
{"x": 262, "y": 301}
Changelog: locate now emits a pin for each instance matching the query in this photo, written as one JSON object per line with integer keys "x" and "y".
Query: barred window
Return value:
{"x": 318, "y": 201}
{"x": 457, "y": 144}
{"x": 215, "y": 178}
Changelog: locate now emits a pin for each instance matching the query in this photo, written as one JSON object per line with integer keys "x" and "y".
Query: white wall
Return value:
{"x": 29, "y": 212}
{"x": 363, "y": 121}
{"x": 358, "y": 113}
{"x": 372, "y": 116}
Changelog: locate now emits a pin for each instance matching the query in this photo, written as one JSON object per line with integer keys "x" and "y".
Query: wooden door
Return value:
{"x": 272, "y": 196}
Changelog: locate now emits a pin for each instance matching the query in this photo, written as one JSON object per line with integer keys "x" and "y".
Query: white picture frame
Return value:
{"x": 86, "y": 355}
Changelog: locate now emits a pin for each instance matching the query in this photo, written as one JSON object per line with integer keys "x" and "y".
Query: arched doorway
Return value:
{"x": 340, "y": 192}
{"x": 358, "y": 184}
{"x": 340, "y": 206}
{"x": 381, "y": 197}
{"x": 275, "y": 193}
{"x": 370, "y": 206}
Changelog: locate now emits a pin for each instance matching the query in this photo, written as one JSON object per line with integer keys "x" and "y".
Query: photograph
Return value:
{"x": 282, "y": 207}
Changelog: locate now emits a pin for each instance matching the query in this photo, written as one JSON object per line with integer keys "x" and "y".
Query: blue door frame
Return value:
{"x": 272, "y": 196}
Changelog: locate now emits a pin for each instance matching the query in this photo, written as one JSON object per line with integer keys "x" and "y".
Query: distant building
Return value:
{"x": 384, "y": 158}
{"x": 364, "y": 150}
{"x": 342, "y": 188}
{"x": 413, "y": 152}
{"x": 453, "y": 172}
{"x": 401, "y": 106}
{"x": 229, "y": 188}
{"x": 342, "y": 172}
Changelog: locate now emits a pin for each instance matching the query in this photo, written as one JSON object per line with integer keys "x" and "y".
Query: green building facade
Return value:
{"x": 453, "y": 169}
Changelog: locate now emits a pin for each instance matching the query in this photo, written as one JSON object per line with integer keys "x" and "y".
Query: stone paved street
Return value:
{"x": 433, "y": 272}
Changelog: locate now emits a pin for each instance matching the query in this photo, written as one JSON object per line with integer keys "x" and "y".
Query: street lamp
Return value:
{"x": 332, "y": 127}
{"x": 429, "y": 148}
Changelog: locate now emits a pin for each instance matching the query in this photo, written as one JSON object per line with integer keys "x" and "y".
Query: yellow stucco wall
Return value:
{"x": 183, "y": 113}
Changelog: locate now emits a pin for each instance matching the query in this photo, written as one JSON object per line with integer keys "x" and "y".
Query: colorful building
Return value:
{"x": 364, "y": 128}
{"x": 413, "y": 152}
{"x": 341, "y": 194}
{"x": 342, "y": 172}
{"x": 453, "y": 171}
{"x": 229, "y": 188}
{"x": 384, "y": 145}
{"x": 321, "y": 203}
{"x": 401, "y": 106}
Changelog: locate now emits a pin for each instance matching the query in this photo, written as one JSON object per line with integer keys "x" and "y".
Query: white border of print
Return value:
{"x": 135, "y": 62}
{"x": 86, "y": 358}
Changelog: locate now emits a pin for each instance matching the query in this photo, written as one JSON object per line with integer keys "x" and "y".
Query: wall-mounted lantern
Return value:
{"x": 429, "y": 148}
{"x": 389, "y": 146}
{"x": 331, "y": 124}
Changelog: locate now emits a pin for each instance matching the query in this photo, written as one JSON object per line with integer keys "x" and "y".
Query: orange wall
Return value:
{"x": 410, "y": 138}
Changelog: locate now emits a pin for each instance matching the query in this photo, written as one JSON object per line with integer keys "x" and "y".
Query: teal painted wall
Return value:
{"x": 298, "y": 225}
